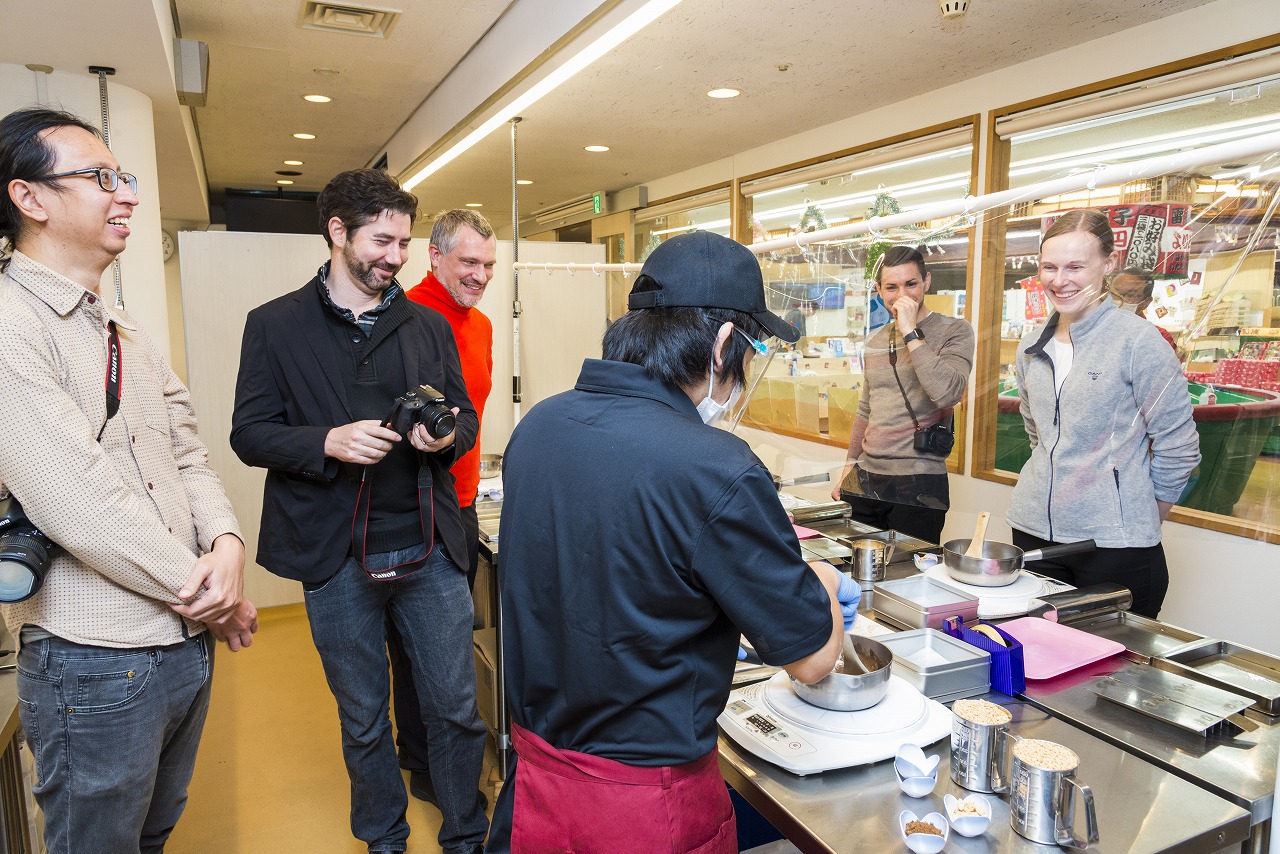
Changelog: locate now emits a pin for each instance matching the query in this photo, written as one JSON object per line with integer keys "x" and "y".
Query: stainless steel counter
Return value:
{"x": 1141, "y": 808}
{"x": 1240, "y": 768}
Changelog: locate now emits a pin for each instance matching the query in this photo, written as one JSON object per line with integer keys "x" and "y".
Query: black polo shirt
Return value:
{"x": 636, "y": 544}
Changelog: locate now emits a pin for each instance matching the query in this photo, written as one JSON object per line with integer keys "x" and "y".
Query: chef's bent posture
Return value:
{"x": 638, "y": 542}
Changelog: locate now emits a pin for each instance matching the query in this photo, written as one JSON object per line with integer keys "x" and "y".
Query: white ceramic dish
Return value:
{"x": 965, "y": 824}
{"x": 924, "y": 843}
{"x": 917, "y": 774}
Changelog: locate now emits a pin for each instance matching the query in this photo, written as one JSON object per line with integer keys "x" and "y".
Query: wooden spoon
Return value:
{"x": 979, "y": 534}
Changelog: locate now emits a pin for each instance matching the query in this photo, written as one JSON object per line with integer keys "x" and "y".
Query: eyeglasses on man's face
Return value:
{"x": 108, "y": 179}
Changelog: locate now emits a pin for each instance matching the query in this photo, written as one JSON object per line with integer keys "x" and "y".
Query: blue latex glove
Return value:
{"x": 742, "y": 654}
{"x": 848, "y": 594}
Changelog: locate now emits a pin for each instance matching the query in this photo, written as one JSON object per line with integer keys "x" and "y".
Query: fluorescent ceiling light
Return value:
{"x": 595, "y": 148}
{"x": 293, "y": 163}
{"x": 317, "y": 99}
{"x": 635, "y": 22}
{"x": 693, "y": 226}
{"x": 724, "y": 93}
{"x": 304, "y": 136}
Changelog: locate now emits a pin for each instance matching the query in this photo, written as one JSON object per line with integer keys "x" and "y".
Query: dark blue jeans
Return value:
{"x": 114, "y": 734}
{"x": 431, "y": 610}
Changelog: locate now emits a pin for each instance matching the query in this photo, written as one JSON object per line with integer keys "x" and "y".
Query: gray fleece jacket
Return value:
{"x": 1118, "y": 437}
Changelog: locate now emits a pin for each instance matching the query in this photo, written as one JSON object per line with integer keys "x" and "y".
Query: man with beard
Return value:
{"x": 463, "y": 254}
{"x": 364, "y": 516}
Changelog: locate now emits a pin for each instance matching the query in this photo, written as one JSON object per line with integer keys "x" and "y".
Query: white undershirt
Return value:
{"x": 1062, "y": 353}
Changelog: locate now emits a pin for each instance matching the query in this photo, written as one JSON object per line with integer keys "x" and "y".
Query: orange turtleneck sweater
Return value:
{"x": 474, "y": 333}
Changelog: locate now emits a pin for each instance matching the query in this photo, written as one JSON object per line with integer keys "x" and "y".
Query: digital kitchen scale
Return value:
{"x": 772, "y": 722}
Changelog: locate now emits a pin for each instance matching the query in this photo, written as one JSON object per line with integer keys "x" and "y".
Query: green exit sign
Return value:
{"x": 597, "y": 202}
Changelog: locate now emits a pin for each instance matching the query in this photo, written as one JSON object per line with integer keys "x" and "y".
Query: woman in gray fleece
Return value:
{"x": 1109, "y": 418}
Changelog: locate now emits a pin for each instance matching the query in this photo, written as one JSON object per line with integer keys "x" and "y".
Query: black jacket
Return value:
{"x": 289, "y": 394}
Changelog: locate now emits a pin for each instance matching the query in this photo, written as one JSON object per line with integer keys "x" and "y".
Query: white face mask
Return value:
{"x": 710, "y": 411}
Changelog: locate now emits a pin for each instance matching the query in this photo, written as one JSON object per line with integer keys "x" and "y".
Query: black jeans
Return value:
{"x": 1143, "y": 570}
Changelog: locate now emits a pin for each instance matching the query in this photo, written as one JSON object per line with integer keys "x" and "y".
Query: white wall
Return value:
{"x": 133, "y": 143}
{"x": 224, "y": 275}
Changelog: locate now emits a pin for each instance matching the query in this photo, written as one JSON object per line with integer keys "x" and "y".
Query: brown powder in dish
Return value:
{"x": 922, "y": 827}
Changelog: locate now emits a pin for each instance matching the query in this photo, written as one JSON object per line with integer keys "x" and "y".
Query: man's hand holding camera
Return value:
{"x": 360, "y": 442}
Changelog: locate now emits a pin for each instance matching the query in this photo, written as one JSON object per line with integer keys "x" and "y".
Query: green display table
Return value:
{"x": 1233, "y": 431}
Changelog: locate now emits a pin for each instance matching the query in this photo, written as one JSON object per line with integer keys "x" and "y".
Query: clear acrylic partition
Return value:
{"x": 812, "y": 389}
{"x": 1198, "y": 261}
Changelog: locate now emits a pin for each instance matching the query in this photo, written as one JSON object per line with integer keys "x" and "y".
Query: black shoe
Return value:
{"x": 421, "y": 787}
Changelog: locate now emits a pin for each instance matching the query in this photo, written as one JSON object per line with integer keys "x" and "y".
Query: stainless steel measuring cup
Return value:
{"x": 1042, "y": 799}
{"x": 871, "y": 558}
{"x": 979, "y": 751}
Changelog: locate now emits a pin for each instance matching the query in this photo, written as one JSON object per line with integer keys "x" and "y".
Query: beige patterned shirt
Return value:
{"x": 130, "y": 514}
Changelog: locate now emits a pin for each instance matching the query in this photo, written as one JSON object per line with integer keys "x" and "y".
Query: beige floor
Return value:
{"x": 269, "y": 777}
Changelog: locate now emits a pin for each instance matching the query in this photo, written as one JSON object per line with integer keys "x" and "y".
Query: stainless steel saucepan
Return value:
{"x": 1000, "y": 563}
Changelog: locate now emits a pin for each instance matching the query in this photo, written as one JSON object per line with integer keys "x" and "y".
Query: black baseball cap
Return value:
{"x": 705, "y": 270}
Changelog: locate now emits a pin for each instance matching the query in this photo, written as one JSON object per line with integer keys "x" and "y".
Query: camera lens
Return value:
{"x": 438, "y": 421}
{"x": 24, "y": 560}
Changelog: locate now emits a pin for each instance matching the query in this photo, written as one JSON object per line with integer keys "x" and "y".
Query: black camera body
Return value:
{"x": 936, "y": 439}
{"x": 422, "y": 405}
{"x": 25, "y": 553}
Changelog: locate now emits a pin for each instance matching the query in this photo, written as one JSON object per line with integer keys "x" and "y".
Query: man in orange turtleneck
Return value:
{"x": 463, "y": 252}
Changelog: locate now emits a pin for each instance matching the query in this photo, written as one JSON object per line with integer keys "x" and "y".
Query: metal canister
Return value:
{"x": 871, "y": 559}
{"x": 1042, "y": 800}
{"x": 978, "y": 754}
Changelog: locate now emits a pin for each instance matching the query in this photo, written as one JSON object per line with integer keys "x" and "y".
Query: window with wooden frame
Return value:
{"x": 1196, "y": 257}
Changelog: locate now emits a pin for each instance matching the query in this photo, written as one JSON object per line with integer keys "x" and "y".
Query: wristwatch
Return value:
{"x": 913, "y": 335}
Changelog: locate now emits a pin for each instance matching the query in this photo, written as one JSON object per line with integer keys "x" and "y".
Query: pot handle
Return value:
{"x": 1060, "y": 550}
{"x": 1063, "y": 830}
{"x": 998, "y": 770}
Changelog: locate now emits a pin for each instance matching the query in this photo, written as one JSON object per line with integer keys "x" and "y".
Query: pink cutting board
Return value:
{"x": 1050, "y": 649}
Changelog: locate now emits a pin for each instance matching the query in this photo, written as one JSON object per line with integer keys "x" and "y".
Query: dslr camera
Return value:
{"x": 936, "y": 439}
{"x": 25, "y": 552}
{"x": 422, "y": 405}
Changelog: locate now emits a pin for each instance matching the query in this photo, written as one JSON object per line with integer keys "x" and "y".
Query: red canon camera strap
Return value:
{"x": 115, "y": 373}
{"x": 360, "y": 526}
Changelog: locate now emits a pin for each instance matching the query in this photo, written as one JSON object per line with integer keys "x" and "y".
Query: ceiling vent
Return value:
{"x": 348, "y": 18}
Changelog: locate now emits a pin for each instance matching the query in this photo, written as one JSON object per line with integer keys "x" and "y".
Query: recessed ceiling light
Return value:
{"x": 288, "y": 173}
{"x": 724, "y": 93}
{"x": 597, "y": 148}
{"x": 325, "y": 72}
{"x": 475, "y": 204}
{"x": 293, "y": 163}
{"x": 304, "y": 136}
{"x": 284, "y": 181}
{"x": 317, "y": 99}
{"x": 524, "y": 182}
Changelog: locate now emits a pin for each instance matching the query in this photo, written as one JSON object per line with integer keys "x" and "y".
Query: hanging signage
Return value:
{"x": 1154, "y": 238}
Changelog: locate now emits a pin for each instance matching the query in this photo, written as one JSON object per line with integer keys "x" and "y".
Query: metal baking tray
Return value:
{"x": 1235, "y": 668}
{"x": 822, "y": 548}
{"x": 919, "y": 602}
{"x": 845, "y": 531}
{"x": 1143, "y": 638}
{"x": 938, "y": 665}
{"x": 1185, "y": 703}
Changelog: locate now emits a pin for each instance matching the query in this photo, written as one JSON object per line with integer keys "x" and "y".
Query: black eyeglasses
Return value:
{"x": 108, "y": 179}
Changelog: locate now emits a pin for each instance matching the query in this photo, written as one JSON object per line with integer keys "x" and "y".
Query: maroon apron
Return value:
{"x": 567, "y": 801}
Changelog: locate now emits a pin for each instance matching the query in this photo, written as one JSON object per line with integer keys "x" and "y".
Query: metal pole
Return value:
{"x": 515, "y": 276}
{"x": 102, "y": 71}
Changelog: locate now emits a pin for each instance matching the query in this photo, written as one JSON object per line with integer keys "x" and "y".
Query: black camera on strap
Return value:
{"x": 422, "y": 405}
{"x": 25, "y": 553}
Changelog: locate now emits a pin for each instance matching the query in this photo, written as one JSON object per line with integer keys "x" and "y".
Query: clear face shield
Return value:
{"x": 757, "y": 368}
